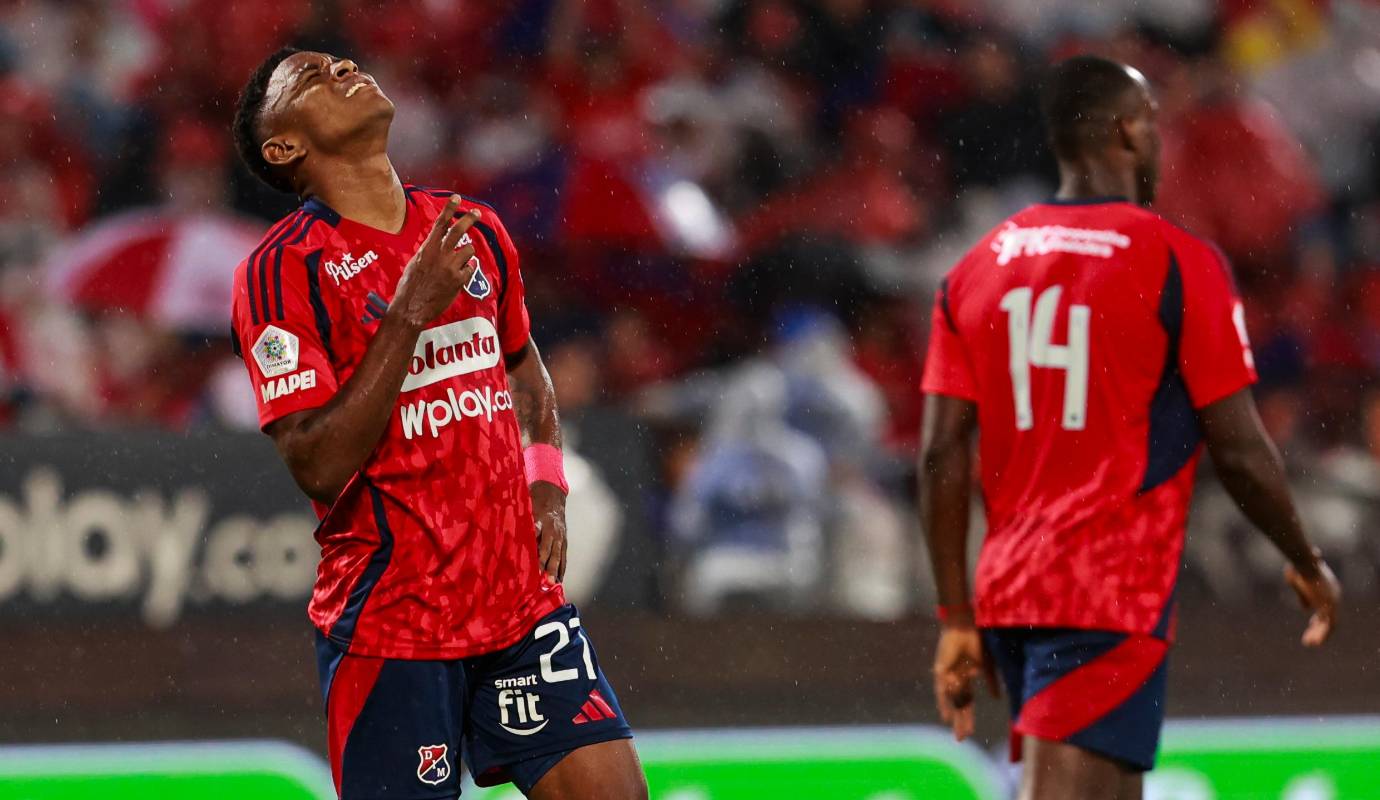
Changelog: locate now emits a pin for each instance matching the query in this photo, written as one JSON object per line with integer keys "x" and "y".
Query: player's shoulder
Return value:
{"x": 300, "y": 231}
{"x": 1189, "y": 246}
{"x": 261, "y": 275}
{"x": 490, "y": 224}
{"x": 1119, "y": 223}
{"x": 435, "y": 197}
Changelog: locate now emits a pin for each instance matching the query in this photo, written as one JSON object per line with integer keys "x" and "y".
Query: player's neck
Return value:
{"x": 1089, "y": 179}
{"x": 365, "y": 190}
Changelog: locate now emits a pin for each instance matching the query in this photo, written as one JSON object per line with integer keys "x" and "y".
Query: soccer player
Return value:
{"x": 386, "y": 336}
{"x": 1095, "y": 347}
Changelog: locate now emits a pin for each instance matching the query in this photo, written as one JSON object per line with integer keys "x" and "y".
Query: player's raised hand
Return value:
{"x": 958, "y": 662}
{"x": 440, "y": 268}
{"x": 1319, "y": 594}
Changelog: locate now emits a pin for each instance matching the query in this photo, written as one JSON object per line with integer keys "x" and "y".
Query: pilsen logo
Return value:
{"x": 449, "y": 350}
{"x": 349, "y": 266}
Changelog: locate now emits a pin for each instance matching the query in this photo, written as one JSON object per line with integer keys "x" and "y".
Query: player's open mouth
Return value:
{"x": 355, "y": 88}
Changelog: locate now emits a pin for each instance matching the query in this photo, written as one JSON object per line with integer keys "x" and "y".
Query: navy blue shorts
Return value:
{"x": 1099, "y": 690}
{"x": 397, "y": 727}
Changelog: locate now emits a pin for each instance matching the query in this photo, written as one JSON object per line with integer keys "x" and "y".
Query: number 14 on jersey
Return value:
{"x": 1030, "y": 330}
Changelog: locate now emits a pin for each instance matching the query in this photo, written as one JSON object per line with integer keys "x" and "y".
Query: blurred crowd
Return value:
{"x": 732, "y": 214}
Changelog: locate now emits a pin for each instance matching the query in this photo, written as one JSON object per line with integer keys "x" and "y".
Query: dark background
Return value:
{"x": 73, "y": 670}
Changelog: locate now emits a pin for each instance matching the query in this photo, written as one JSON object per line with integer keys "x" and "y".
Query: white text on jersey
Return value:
{"x": 445, "y": 351}
{"x": 1014, "y": 242}
{"x": 432, "y": 416}
{"x": 279, "y": 387}
{"x": 349, "y": 266}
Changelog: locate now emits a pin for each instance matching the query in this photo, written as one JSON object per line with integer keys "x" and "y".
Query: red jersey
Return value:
{"x": 1086, "y": 334}
{"x": 430, "y": 551}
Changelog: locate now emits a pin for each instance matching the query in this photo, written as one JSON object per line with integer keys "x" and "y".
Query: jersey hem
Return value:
{"x": 987, "y": 621}
{"x": 446, "y": 652}
{"x": 970, "y": 397}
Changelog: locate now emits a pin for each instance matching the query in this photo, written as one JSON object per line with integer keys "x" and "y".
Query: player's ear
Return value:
{"x": 1124, "y": 131}
{"x": 1131, "y": 132}
{"x": 281, "y": 151}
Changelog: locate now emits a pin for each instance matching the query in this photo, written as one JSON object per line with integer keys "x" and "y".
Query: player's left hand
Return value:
{"x": 958, "y": 662}
{"x": 548, "y": 508}
{"x": 1320, "y": 594}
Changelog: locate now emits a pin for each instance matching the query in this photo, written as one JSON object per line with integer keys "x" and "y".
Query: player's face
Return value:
{"x": 1145, "y": 138}
{"x": 325, "y": 100}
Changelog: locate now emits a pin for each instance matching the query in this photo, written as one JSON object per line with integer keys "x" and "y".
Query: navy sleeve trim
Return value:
{"x": 478, "y": 202}
{"x": 318, "y": 303}
{"x": 274, "y": 235}
{"x": 258, "y": 266}
{"x": 944, "y": 305}
{"x": 500, "y": 258}
{"x": 1174, "y": 431}
{"x": 261, "y": 266}
{"x": 296, "y": 239}
{"x": 343, "y": 631}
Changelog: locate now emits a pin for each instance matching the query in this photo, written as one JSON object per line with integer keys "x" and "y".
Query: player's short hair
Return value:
{"x": 248, "y": 139}
{"x": 1079, "y": 96}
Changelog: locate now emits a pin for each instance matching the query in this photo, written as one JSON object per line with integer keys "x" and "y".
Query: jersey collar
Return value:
{"x": 1086, "y": 201}
{"x": 318, "y": 209}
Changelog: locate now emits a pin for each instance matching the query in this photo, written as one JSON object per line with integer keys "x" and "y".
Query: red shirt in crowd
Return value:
{"x": 430, "y": 551}
{"x": 1087, "y": 334}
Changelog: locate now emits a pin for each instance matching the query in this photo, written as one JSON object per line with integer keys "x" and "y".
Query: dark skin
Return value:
{"x": 1119, "y": 160}
{"x": 325, "y": 125}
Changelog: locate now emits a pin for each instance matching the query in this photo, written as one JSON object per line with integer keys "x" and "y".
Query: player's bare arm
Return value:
{"x": 946, "y": 467}
{"x": 534, "y": 402}
{"x": 428, "y": 343}
{"x": 324, "y": 447}
{"x": 1250, "y": 468}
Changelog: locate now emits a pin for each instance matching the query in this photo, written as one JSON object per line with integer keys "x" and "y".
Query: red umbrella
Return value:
{"x": 174, "y": 270}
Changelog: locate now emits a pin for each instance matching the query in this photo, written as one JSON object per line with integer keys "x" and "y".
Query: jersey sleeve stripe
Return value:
{"x": 260, "y": 267}
{"x": 278, "y": 265}
{"x": 944, "y": 305}
{"x": 260, "y": 264}
{"x": 500, "y": 258}
{"x": 275, "y": 251}
{"x": 318, "y": 304}
{"x": 273, "y": 233}
{"x": 249, "y": 287}
{"x": 343, "y": 631}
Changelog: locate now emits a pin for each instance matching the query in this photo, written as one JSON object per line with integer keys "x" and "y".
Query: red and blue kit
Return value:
{"x": 1087, "y": 334}
{"x": 429, "y": 554}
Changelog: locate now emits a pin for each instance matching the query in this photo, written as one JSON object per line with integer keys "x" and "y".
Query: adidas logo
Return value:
{"x": 595, "y": 709}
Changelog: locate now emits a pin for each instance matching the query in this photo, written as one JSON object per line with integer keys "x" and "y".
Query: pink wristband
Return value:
{"x": 542, "y": 462}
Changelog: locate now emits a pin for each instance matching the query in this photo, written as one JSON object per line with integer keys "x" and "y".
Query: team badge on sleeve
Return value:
{"x": 433, "y": 767}
{"x": 275, "y": 352}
